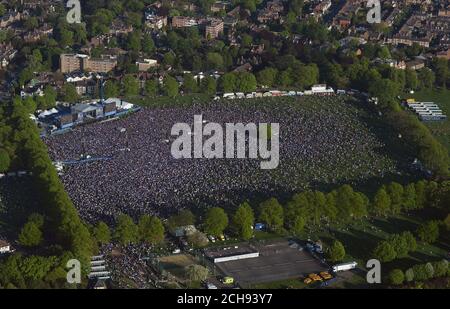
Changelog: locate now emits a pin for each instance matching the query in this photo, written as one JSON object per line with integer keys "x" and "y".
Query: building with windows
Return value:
{"x": 81, "y": 62}
{"x": 214, "y": 28}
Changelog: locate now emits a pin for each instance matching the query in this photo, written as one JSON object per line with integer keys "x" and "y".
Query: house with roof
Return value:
{"x": 5, "y": 247}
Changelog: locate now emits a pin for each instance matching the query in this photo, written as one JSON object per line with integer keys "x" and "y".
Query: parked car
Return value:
{"x": 227, "y": 280}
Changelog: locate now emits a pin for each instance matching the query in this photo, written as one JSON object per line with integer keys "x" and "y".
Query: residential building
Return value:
{"x": 183, "y": 21}
{"x": 81, "y": 62}
{"x": 5, "y": 247}
{"x": 145, "y": 64}
{"x": 214, "y": 28}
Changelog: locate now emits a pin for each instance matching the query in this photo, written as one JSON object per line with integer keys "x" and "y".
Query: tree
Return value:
{"x": 50, "y": 96}
{"x": 423, "y": 272}
{"x": 197, "y": 272}
{"x": 151, "y": 87}
{"x": 440, "y": 268}
{"x": 69, "y": 93}
{"x": 395, "y": 191}
{"x": 35, "y": 268}
{"x": 228, "y": 82}
{"x": 111, "y": 89}
{"x": 409, "y": 275}
{"x": 31, "y": 23}
{"x": 409, "y": 198}
{"x": 384, "y": 252}
{"x": 246, "y": 82}
{"x": 298, "y": 225}
{"x": 5, "y": 161}
{"x": 410, "y": 241}
{"x": 243, "y": 221}
{"x": 336, "y": 252}
{"x": 385, "y": 90}
{"x": 30, "y": 235}
{"x": 209, "y": 86}
{"x": 440, "y": 67}
{"x": 267, "y": 77}
{"x": 306, "y": 75}
{"x": 197, "y": 239}
{"x": 151, "y": 229}
{"x": 216, "y": 221}
{"x": 30, "y": 104}
{"x": 271, "y": 212}
{"x": 169, "y": 59}
{"x": 130, "y": 86}
{"x": 170, "y": 86}
{"x": 148, "y": 45}
{"x": 247, "y": 40}
{"x": 412, "y": 80}
{"x": 396, "y": 277}
{"x": 102, "y": 233}
{"x": 189, "y": 84}
{"x": 384, "y": 53}
{"x": 398, "y": 242}
{"x": 429, "y": 231}
{"x": 126, "y": 231}
{"x": 183, "y": 218}
{"x": 65, "y": 38}
{"x": 426, "y": 78}
{"x": 381, "y": 202}
{"x": 421, "y": 194}
{"x": 134, "y": 41}
{"x": 214, "y": 61}
{"x": 447, "y": 222}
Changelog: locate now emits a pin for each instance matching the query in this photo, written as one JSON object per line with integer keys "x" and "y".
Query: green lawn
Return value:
{"x": 442, "y": 98}
{"x": 360, "y": 238}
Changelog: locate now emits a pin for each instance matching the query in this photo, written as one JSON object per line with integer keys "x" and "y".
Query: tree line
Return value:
{"x": 57, "y": 227}
{"x": 312, "y": 210}
{"x": 419, "y": 273}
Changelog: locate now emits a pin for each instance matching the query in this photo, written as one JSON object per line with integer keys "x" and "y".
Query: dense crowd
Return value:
{"x": 128, "y": 266}
{"x": 322, "y": 141}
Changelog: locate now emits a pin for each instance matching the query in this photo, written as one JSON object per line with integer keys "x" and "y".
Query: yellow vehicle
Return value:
{"x": 315, "y": 277}
{"x": 326, "y": 275}
{"x": 228, "y": 280}
{"x": 308, "y": 281}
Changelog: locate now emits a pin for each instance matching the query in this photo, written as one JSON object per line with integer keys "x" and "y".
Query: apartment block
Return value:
{"x": 81, "y": 62}
{"x": 213, "y": 29}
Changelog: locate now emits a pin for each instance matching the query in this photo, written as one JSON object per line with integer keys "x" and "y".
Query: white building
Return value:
{"x": 5, "y": 247}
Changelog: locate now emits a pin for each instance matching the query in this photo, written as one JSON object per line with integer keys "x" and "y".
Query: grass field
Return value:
{"x": 360, "y": 239}
{"x": 442, "y": 98}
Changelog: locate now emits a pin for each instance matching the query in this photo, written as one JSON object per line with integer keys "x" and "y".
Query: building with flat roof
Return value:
{"x": 214, "y": 28}
{"x": 81, "y": 62}
{"x": 183, "y": 21}
{"x": 145, "y": 64}
{"x": 225, "y": 254}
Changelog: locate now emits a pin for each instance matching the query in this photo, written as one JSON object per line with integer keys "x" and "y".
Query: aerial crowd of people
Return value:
{"x": 322, "y": 141}
{"x": 129, "y": 265}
